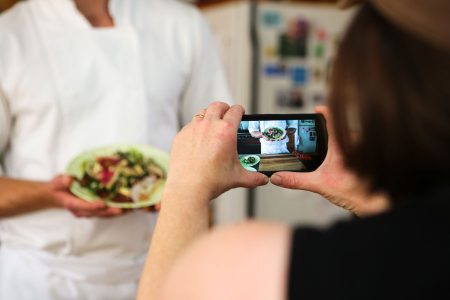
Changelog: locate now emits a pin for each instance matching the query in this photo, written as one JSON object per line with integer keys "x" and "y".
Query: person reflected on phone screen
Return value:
{"x": 274, "y": 135}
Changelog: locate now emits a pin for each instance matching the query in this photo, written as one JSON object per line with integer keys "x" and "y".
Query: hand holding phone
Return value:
{"x": 282, "y": 142}
{"x": 334, "y": 181}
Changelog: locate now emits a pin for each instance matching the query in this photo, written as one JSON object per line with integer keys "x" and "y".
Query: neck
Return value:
{"x": 96, "y": 12}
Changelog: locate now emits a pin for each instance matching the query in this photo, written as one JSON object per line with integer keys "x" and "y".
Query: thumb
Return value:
{"x": 293, "y": 180}
{"x": 62, "y": 182}
{"x": 249, "y": 179}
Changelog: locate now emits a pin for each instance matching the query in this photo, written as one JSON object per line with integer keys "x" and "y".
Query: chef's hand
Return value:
{"x": 204, "y": 159}
{"x": 259, "y": 135}
{"x": 153, "y": 209}
{"x": 333, "y": 181}
{"x": 63, "y": 198}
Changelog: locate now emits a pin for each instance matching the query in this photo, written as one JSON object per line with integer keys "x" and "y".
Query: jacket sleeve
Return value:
{"x": 206, "y": 82}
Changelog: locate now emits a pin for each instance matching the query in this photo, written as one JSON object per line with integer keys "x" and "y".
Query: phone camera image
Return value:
{"x": 271, "y": 143}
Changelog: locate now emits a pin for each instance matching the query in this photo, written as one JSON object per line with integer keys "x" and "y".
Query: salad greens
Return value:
{"x": 249, "y": 160}
{"x": 273, "y": 133}
{"x": 124, "y": 176}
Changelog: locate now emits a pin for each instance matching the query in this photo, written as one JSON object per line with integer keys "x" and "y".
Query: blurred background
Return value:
{"x": 277, "y": 56}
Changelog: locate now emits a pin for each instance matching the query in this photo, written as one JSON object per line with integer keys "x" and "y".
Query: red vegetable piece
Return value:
{"x": 106, "y": 176}
{"x": 107, "y": 161}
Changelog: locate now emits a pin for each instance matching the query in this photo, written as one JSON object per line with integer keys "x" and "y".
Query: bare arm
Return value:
{"x": 174, "y": 232}
{"x": 22, "y": 196}
{"x": 201, "y": 168}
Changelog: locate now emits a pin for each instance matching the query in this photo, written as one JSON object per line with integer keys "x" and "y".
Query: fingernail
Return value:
{"x": 276, "y": 179}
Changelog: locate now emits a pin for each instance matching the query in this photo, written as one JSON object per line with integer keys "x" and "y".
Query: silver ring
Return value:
{"x": 198, "y": 116}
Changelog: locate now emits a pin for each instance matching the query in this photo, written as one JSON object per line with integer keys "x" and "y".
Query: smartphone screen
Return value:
{"x": 282, "y": 142}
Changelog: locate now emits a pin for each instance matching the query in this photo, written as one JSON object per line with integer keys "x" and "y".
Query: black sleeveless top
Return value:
{"x": 401, "y": 254}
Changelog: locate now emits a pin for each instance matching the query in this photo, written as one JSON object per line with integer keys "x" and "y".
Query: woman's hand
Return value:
{"x": 204, "y": 157}
{"x": 333, "y": 181}
{"x": 203, "y": 164}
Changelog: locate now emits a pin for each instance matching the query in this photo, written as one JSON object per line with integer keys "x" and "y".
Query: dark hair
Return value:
{"x": 390, "y": 106}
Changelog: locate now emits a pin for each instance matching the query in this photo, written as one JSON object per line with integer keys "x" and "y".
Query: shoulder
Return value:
{"x": 237, "y": 262}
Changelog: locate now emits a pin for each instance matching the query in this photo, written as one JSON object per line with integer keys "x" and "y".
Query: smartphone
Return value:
{"x": 269, "y": 143}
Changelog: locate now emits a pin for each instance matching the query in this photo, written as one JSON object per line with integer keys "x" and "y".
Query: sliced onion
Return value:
{"x": 141, "y": 190}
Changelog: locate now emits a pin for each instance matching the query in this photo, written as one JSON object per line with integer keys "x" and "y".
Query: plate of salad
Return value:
{"x": 274, "y": 133}
{"x": 125, "y": 176}
{"x": 249, "y": 160}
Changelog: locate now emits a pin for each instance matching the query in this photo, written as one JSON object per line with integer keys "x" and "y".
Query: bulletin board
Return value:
{"x": 297, "y": 46}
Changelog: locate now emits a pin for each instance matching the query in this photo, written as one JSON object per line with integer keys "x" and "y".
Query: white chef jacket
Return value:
{"x": 272, "y": 147}
{"x": 66, "y": 87}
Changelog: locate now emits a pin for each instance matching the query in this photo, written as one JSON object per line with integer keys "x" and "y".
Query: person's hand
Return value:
{"x": 333, "y": 181}
{"x": 259, "y": 135}
{"x": 59, "y": 188}
{"x": 266, "y": 138}
{"x": 204, "y": 158}
{"x": 153, "y": 208}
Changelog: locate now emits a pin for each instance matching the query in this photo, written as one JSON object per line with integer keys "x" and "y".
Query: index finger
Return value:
{"x": 234, "y": 115}
{"x": 216, "y": 110}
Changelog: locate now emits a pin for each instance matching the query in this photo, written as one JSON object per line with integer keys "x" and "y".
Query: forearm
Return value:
{"x": 204, "y": 164}
{"x": 179, "y": 224}
{"x": 20, "y": 196}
